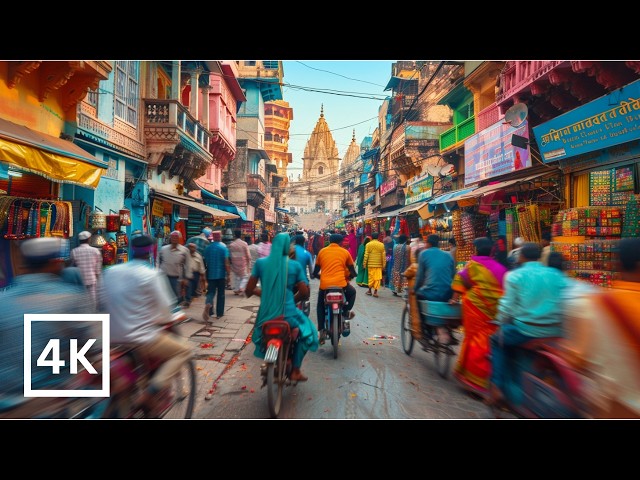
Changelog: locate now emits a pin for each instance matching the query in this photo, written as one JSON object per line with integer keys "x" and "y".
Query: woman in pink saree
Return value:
{"x": 479, "y": 286}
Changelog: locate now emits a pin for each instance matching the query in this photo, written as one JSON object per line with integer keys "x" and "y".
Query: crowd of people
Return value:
{"x": 507, "y": 299}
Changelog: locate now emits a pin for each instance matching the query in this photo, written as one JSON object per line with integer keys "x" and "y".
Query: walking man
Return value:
{"x": 218, "y": 267}
{"x": 175, "y": 261}
{"x": 89, "y": 262}
{"x": 240, "y": 258}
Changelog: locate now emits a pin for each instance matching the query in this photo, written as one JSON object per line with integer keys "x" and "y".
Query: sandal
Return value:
{"x": 375, "y": 295}
{"x": 368, "y": 293}
{"x": 322, "y": 337}
{"x": 297, "y": 376}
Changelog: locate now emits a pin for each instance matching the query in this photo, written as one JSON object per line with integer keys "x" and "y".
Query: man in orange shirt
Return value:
{"x": 335, "y": 268}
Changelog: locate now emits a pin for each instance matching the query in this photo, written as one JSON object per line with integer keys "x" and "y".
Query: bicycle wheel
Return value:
{"x": 182, "y": 393}
{"x": 405, "y": 331}
{"x": 275, "y": 385}
{"x": 335, "y": 333}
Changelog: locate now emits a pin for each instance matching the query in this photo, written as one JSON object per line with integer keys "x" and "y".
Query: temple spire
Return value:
{"x": 354, "y": 135}
{"x": 321, "y": 110}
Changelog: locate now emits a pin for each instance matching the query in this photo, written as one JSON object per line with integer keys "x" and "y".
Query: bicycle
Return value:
{"x": 432, "y": 314}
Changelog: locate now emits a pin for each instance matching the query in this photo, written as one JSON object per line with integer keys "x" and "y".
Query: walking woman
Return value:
{"x": 362, "y": 280}
{"x": 401, "y": 261}
{"x": 480, "y": 285}
{"x": 278, "y": 277}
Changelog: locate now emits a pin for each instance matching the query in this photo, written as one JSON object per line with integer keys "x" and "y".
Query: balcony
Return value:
{"x": 176, "y": 142}
{"x": 256, "y": 190}
{"x": 518, "y": 75}
{"x": 488, "y": 117}
{"x": 454, "y": 137}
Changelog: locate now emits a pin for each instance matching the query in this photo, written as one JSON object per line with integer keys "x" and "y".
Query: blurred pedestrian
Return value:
{"x": 39, "y": 289}
{"x": 602, "y": 338}
{"x": 89, "y": 261}
{"x": 478, "y": 286}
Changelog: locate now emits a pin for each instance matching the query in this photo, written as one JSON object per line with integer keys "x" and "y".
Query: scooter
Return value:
{"x": 540, "y": 384}
{"x": 334, "y": 300}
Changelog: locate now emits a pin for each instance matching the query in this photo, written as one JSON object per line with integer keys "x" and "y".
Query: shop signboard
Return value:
{"x": 489, "y": 153}
{"x": 388, "y": 186}
{"x": 157, "y": 209}
{"x": 419, "y": 190}
{"x": 606, "y": 121}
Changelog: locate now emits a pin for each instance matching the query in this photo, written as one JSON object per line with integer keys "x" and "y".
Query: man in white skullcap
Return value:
{"x": 175, "y": 261}
{"x": 89, "y": 261}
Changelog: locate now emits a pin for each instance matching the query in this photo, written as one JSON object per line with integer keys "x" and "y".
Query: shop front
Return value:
{"x": 48, "y": 182}
{"x": 597, "y": 147}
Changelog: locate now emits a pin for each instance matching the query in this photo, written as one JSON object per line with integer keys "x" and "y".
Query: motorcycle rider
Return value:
{"x": 335, "y": 268}
{"x": 140, "y": 300}
{"x": 531, "y": 307}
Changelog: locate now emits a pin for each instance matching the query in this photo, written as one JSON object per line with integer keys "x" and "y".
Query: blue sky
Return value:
{"x": 344, "y": 112}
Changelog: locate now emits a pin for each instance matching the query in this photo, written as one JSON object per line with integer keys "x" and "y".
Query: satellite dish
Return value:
{"x": 432, "y": 170}
{"x": 446, "y": 170}
{"x": 516, "y": 115}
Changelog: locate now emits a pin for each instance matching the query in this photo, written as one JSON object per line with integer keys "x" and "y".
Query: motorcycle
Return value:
{"x": 541, "y": 384}
{"x": 279, "y": 340}
{"x": 130, "y": 374}
{"x": 337, "y": 325}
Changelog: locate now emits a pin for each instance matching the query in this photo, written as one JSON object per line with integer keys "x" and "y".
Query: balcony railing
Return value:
{"x": 452, "y": 137}
{"x": 517, "y": 75}
{"x": 167, "y": 113}
{"x": 488, "y": 117}
{"x": 256, "y": 182}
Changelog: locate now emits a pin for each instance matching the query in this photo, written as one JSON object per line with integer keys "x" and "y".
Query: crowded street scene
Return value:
{"x": 319, "y": 240}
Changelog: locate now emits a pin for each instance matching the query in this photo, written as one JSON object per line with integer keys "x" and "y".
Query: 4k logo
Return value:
{"x": 67, "y": 355}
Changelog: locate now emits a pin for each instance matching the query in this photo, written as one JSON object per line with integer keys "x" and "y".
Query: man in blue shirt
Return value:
{"x": 531, "y": 307}
{"x": 436, "y": 270}
{"x": 216, "y": 260}
{"x": 303, "y": 256}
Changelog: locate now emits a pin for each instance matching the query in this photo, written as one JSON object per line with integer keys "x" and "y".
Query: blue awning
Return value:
{"x": 210, "y": 198}
{"x": 280, "y": 209}
{"x": 450, "y": 195}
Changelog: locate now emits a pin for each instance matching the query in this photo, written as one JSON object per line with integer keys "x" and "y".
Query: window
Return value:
{"x": 127, "y": 91}
{"x": 270, "y": 64}
{"x": 320, "y": 170}
{"x": 92, "y": 98}
{"x": 250, "y": 63}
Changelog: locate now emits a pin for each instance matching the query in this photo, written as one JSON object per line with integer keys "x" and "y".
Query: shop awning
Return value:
{"x": 494, "y": 187}
{"x": 451, "y": 196}
{"x": 220, "y": 203}
{"x": 51, "y": 157}
{"x": 391, "y": 213}
{"x": 413, "y": 207}
{"x": 215, "y": 212}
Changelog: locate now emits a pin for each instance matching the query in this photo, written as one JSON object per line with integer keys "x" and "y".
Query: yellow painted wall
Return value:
{"x": 20, "y": 104}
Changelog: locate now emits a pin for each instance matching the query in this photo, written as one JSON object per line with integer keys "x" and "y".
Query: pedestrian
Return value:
{"x": 253, "y": 250}
{"x": 401, "y": 261}
{"x": 388, "y": 249}
{"x": 175, "y": 262}
{"x": 433, "y": 279}
{"x": 264, "y": 245}
{"x": 374, "y": 261}
{"x": 478, "y": 286}
{"x": 89, "y": 262}
{"x": 362, "y": 280}
{"x": 453, "y": 250}
{"x": 201, "y": 240}
{"x": 218, "y": 267}
{"x": 513, "y": 258}
{"x": 199, "y": 272}
{"x": 546, "y": 248}
{"x": 39, "y": 289}
{"x": 240, "y": 259}
{"x": 303, "y": 256}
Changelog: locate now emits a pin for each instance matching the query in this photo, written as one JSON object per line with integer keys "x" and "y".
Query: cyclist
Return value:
{"x": 335, "y": 268}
